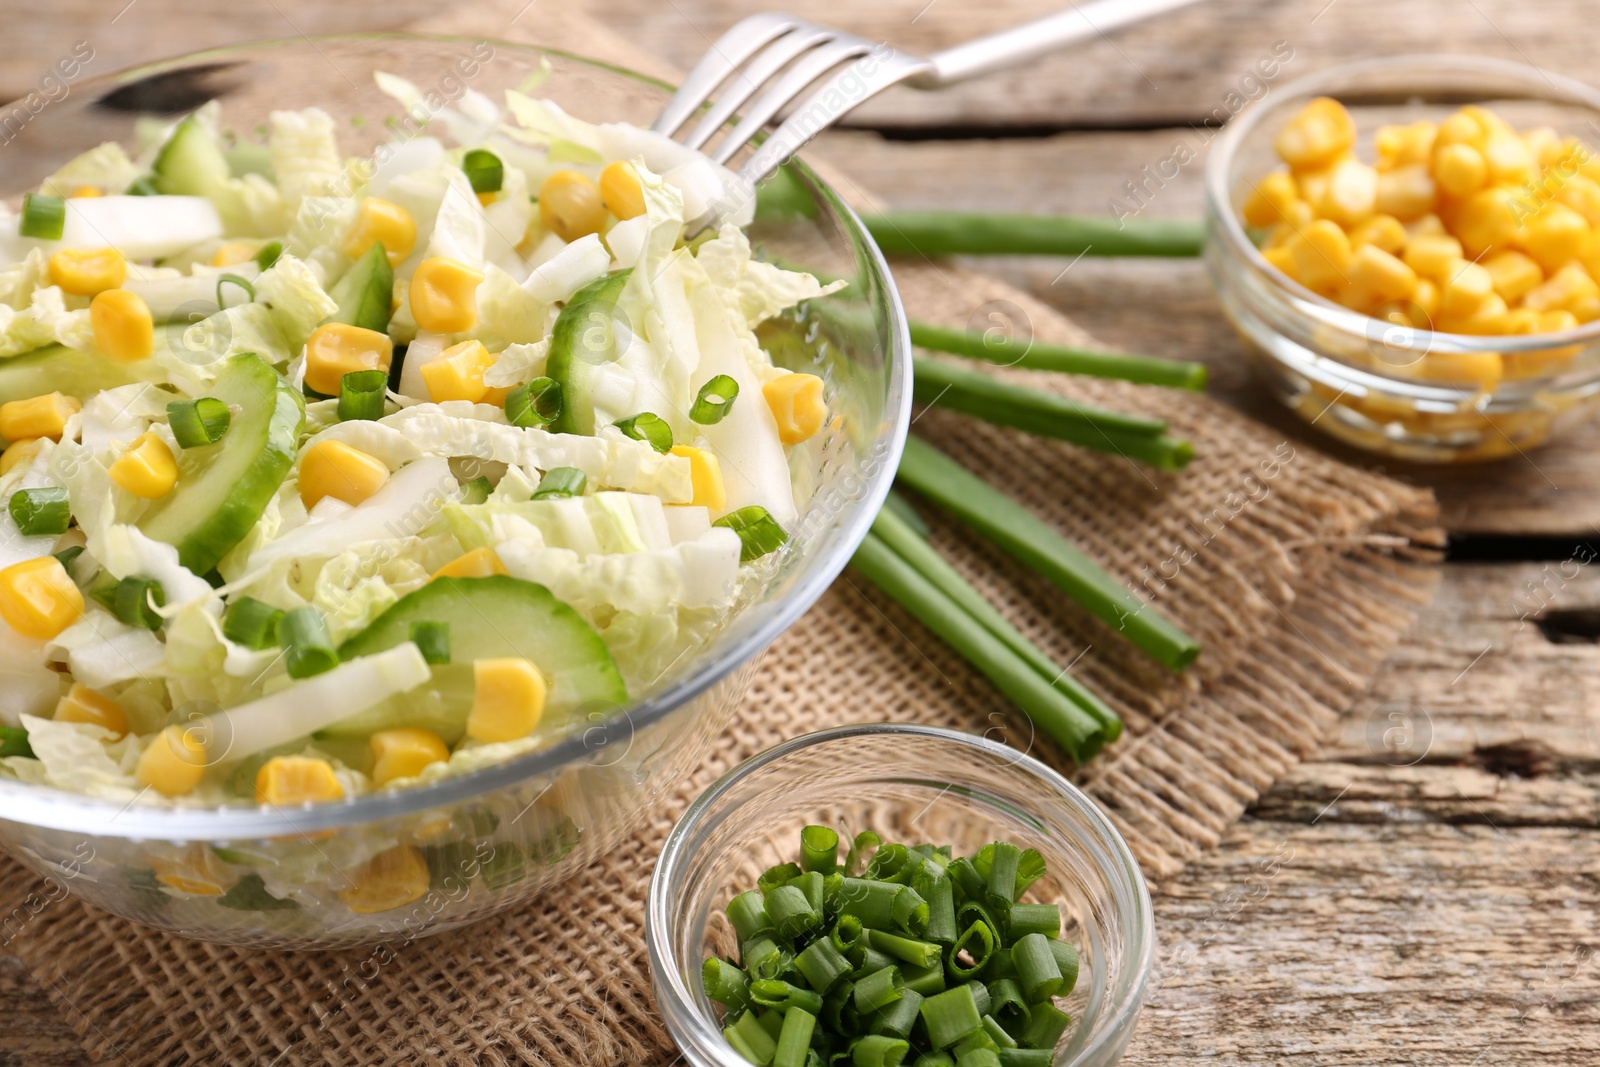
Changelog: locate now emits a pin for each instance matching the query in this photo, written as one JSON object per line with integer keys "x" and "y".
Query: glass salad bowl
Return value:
{"x": 1397, "y": 389}
{"x": 499, "y": 835}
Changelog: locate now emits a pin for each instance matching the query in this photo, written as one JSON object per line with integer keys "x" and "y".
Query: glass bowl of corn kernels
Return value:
{"x": 1410, "y": 249}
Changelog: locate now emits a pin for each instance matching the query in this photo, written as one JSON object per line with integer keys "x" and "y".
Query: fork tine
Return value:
{"x": 743, "y": 40}
{"x": 747, "y": 81}
{"x": 791, "y": 85}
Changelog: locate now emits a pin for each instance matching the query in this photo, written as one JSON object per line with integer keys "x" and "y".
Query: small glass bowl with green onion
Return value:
{"x": 914, "y": 786}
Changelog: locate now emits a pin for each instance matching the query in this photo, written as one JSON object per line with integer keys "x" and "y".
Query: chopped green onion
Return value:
{"x": 1046, "y": 1024}
{"x": 561, "y": 482}
{"x": 792, "y": 914}
{"x": 251, "y": 623}
{"x": 1027, "y": 1057}
{"x": 1067, "y": 963}
{"x": 819, "y": 849}
{"x": 934, "y": 1059}
{"x": 484, "y": 170}
{"x": 980, "y": 997}
{"x": 726, "y": 984}
{"x": 1002, "y": 876}
{"x": 307, "y": 645}
{"x": 1007, "y": 1004}
{"x": 1028, "y": 919}
{"x": 68, "y": 556}
{"x": 41, "y": 512}
{"x": 878, "y": 989}
{"x": 758, "y": 532}
{"x": 1020, "y": 533}
{"x": 977, "y": 943}
{"x": 979, "y": 233}
{"x": 1030, "y": 868}
{"x": 1037, "y": 972}
{"x": 924, "y": 980}
{"x": 748, "y": 914}
{"x": 910, "y": 911}
{"x": 14, "y": 742}
{"x": 751, "y": 1040}
{"x": 822, "y": 964}
{"x": 361, "y": 395}
{"x": 714, "y": 400}
{"x": 235, "y": 280}
{"x": 939, "y": 891}
{"x": 878, "y": 1050}
{"x": 648, "y": 427}
{"x": 870, "y": 902}
{"x": 762, "y": 957}
{"x": 846, "y": 934}
{"x": 812, "y": 884}
{"x": 887, "y": 862}
{"x": 144, "y": 185}
{"x": 994, "y": 347}
{"x": 966, "y": 877}
{"x": 950, "y": 1016}
{"x": 871, "y": 961}
{"x": 432, "y": 640}
{"x": 200, "y": 422}
{"x": 776, "y": 993}
{"x": 268, "y": 254}
{"x": 997, "y": 1033}
{"x": 865, "y": 842}
{"x": 905, "y": 949}
{"x": 44, "y": 217}
{"x": 476, "y": 491}
{"x": 794, "y": 1040}
{"x": 977, "y": 1051}
{"x": 539, "y": 402}
{"x": 136, "y": 600}
{"x": 898, "y": 1017}
{"x": 776, "y": 875}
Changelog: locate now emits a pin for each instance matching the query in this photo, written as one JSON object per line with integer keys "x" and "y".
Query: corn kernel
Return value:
{"x": 1480, "y": 369}
{"x": 1508, "y": 159}
{"x": 507, "y": 701}
{"x": 1426, "y": 298}
{"x": 1432, "y": 257}
{"x": 1583, "y": 196}
{"x": 1319, "y": 134}
{"x": 571, "y": 205}
{"x": 1384, "y": 231}
{"x": 195, "y": 871}
{"x": 705, "y": 475}
{"x": 1464, "y": 287}
{"x": 147, "y": 469}
{"x": 1537, "y": 362}
{"x": 123, "y": 328}
{"x": 333, "y": 468}
{"x": 380, "y": 220}
{"x": 488, "y": 197}
{"x": 1279, "y": 257}
{"x": 173, "y": 762}
{"x": 1488, "y": 220}
{"x": 37, "y": 416}
{"x": 1557, "y": 320}
{"x": 1403, "y": 146}
{"x": 1554, "y": 236}
{"x": 1460, "y": 128}
{"x": 404, "y": 753}
{"x": 444, "y": 295}
{"x": 87, "y": 272}
{"x": 621, "y": 191}
{"x": 289, "y": 781}
{"x": 233, "y": 253}
{"x": 1561, "y": 290}
{"x": 391, "y": 879}
{"x": 479, "y": 563}
{"x": 1488, "y": 317}
{"x": 335, "y": 349}
{"x": 457, "y": 373}
{"x": 1351, "y": 193}
{"x": 38, "y": 599}
{"x": 85, "y": 192}
{"x": 1299, "y": 216}
{"x": 1460, "y": 169}
{"x": 82, "y": 704}
{"x": 1429, "y": 225}
{"x": 1585, "y": 308}
{"x": 1545, "y": 145}
{"x": 1270, "y": 198}
{"x": 796, "y": 403}
{"x": 1407, "y": 192}
{"x": 1380, "y": 275}
{"x": 23, "y": 451}
{"x": 1521, "y": 321}
{"x": 1513, "y": 273}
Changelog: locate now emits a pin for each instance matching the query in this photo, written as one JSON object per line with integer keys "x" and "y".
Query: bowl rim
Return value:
{"x": 1220, "y": 209}
{"x": 47, "y": 807}
{"x": 707, "y": 1041}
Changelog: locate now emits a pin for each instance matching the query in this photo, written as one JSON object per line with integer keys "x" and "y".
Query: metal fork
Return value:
{"x": 792, "y": 54}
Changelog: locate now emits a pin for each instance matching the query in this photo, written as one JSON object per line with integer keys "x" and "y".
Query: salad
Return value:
{"x": 327, "y": 475}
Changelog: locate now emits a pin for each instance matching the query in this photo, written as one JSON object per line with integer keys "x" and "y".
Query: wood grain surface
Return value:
{"x": 1428, "y": 892}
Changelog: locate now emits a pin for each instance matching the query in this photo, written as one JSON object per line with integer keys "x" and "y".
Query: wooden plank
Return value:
{"x": 1554, "y": 491}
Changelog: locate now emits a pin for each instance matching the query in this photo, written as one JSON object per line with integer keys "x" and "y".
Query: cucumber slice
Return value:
{"x": 191, "y": 163}
{"x": 366, "y": 292}
{"x": 584, "y": 335}
{"x": 223, "y": 488}
{"x": 489, "y": 618}
{"x": 57, "y": 368}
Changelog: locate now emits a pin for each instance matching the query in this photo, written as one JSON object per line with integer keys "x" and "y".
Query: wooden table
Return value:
{"x": 1429, "y": 891}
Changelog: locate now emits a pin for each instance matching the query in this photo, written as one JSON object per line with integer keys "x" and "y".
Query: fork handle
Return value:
{"x": 1010, "y": 48}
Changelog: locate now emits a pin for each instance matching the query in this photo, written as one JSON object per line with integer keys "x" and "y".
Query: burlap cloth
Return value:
{"x": 1296, "y": 572}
